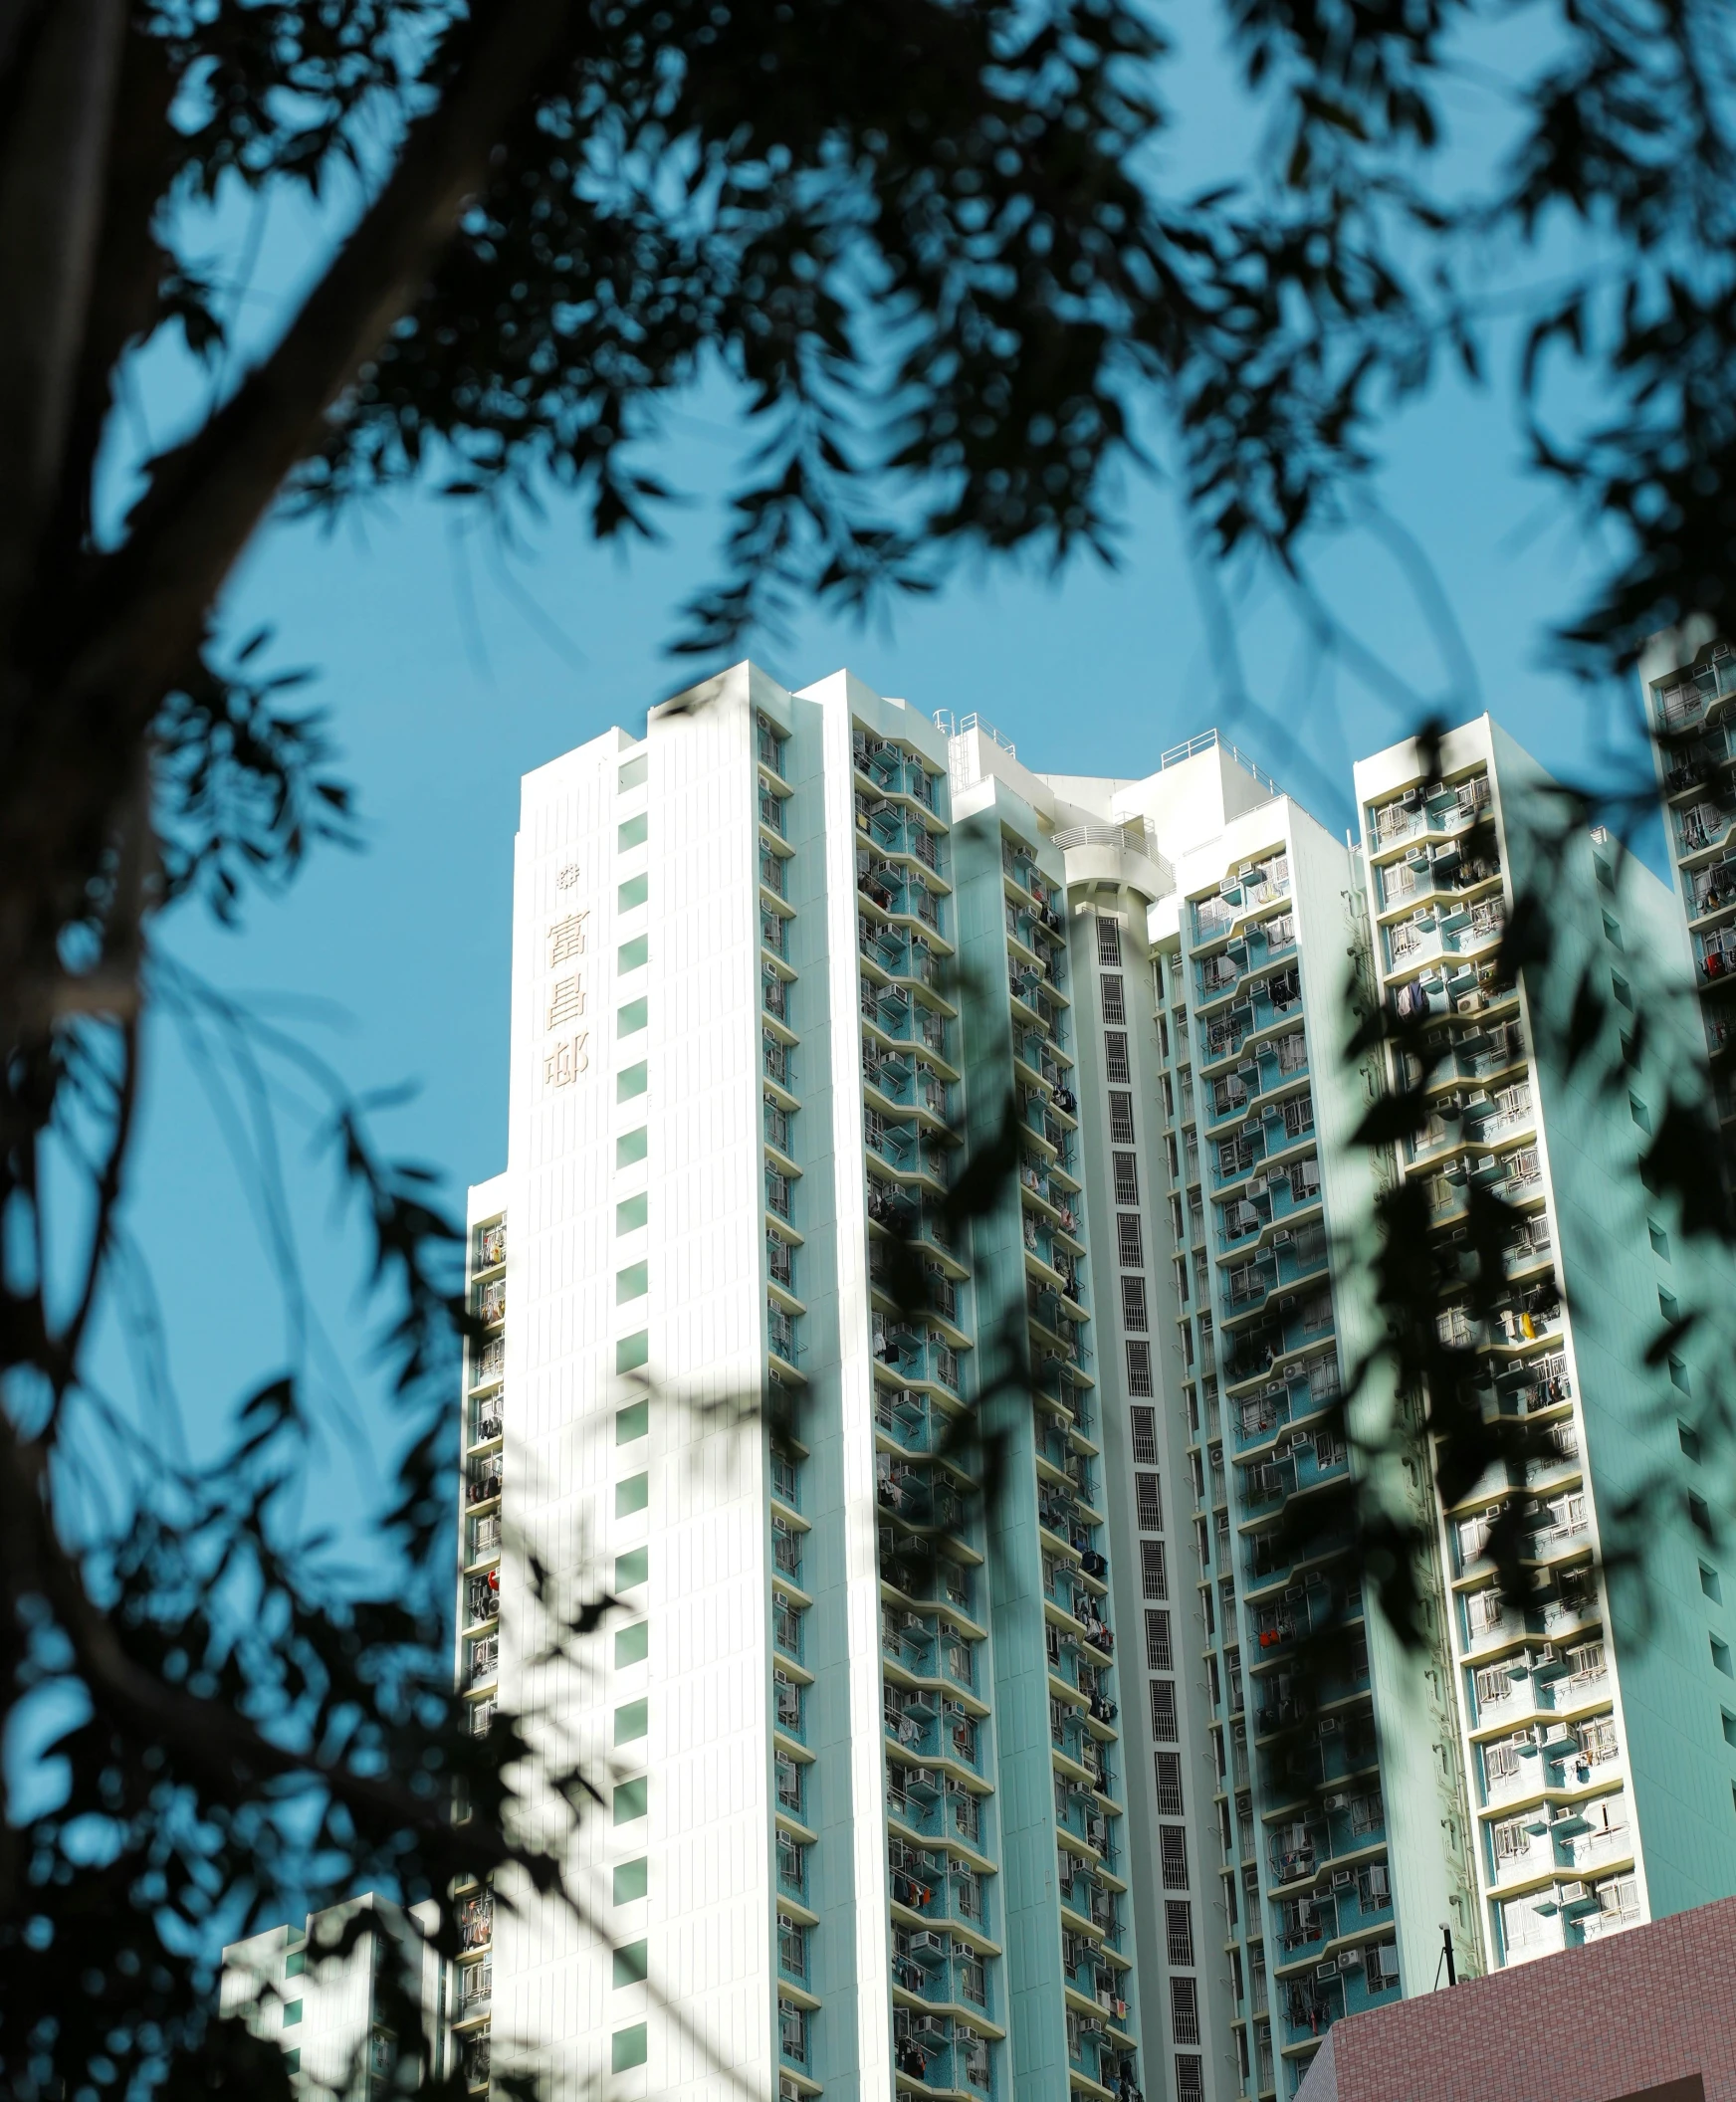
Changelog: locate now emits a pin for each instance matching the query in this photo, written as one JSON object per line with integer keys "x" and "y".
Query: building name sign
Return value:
{"x": 565, "y": 1049}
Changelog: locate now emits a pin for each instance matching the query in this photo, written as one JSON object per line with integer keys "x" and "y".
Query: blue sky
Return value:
{"x": 449, "y": 669}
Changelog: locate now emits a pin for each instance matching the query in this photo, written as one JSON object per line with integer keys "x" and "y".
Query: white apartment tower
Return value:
{"x": 865, "y": 1834}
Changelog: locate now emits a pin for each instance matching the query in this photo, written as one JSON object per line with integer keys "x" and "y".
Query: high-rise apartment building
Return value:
{"x": 954, "y": 1737}
{"x": 862, "y": 1726}
{"x": 1595, "y": 1740}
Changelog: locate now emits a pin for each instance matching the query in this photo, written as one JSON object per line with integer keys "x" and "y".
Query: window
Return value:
{"x": 1143, "y": 1425}
{"x": 1700, "y": 1515}
{"x": 1669, "y": 1306}
{"x": 1108, "y": 943}
{"x": 1184, "y": 2011}
{"x": 295, "y": 1963}
{"x": 632, "y": 1644}
{"x": 1729, "y": 1725}
{"x": 630, "y": 1146}
{"x": 630, "y": 1799}
{"x": 634, "y": 955}
{"x": 632, "y": 832}
{"x": 1172, "y": 1852}
{"x": 1149, "y": 1500}
{"x": 632, "y": 1494}
{"x": 1611, "y": 931}
{"x": 1133, "y": 1302}
{"x": 292, "y": 2013}
{"x": 631, "y": 1018}
{"x": 1179, "y": 1928}
{"x": 1164, "y": 1717}
{"x": 789, "y": 1775}
{"x": 293, "y": 2060}
{"x": 1660, "y": 1239}
{"x": 1641, "y": 1115}
{"x": 633, "y": 893}
{"x": 1154, "y": 1570}
{"x": 792, "y": 2032}
{"x": 632, "y": 1964}
{"x": 1678, "y": 1375}
{"x": 632, "y": 1880}
{"x": 1721, "y": 1657}
{"x": 631, "y": 1351}
{"x": 1119, "y": 1121}
{"x": 1139, "y": 1368}
{"x": 631, "y": 1081}
{"x": 627, "y": 2048}
{"x": 632, "y": 1212}
{"x": 632, "y": 1283}
{"x": 1168, "y": 1779}
{"x": 1190, "y": 2075}
{"x": 1114, "y": 1055}
{"x": 632, "y": 1569}
{"x": 632, "y": 1722}
{"x": 1114, "y": 1003}
{"x": 1689, "y": 1440}
{"x": 632, "y": 773}
{"x": 1126, "y": 1178}
{"x": 1621, "y": 989}
{"x": 1159, "y": 1656}
{"x": 1710, "y": 1583}
{"x": 1129, "y": 1242}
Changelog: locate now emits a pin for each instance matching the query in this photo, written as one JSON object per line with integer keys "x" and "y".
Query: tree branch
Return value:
{"x": 151, "y": 598}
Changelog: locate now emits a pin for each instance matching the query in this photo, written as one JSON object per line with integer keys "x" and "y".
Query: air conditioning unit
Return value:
{"x": 1335, "y": 1801}
{"x": 1347, "y": 1960}
{"x": 1329, "y": 1726}
{"x": 928, "y": 1947}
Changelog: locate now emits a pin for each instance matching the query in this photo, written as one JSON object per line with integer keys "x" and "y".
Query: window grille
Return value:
{"x": 1154, "y": 1570}
{"x": 1158, "y": 1656}
{"x": 1133, "y": 1303}
{"x": 1168, "y": 1780}
{"x": 1164, "y": 1727}
{"x": 1114, "y": 1001}
{"x": 1108, "y": 943}
{"x": 1115, "y": 1064}
{"x": 1184, "y": 2011}
{"x": 1178, "y": 1926}
{"x": 1149, "y": 1500}
{"x": 1143, "y": 1425}
{"x": 1120, "y": 1124}
{"x": 1173, "y": 1853}
{"x": 1126, "y": 1178}
{"x": 1129, "y": 1241}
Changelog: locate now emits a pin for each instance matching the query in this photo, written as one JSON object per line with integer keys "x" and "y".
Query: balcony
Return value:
{"x": 910, "y": 1084}
{"x": 1274, "y": 1064}
{"x": 1433, "y": 811}
{"x": 939, "y": 1890}
{"x": 916, "y": 1356}
{"x": 1221, "y": 976}
{"x": 1284, "y": 1263}
{"x": 1693, "y": 695}
{"x": 892, "y": 1011}
{"x": 909, "y": 1151}
{"x": 894, "y": 771}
